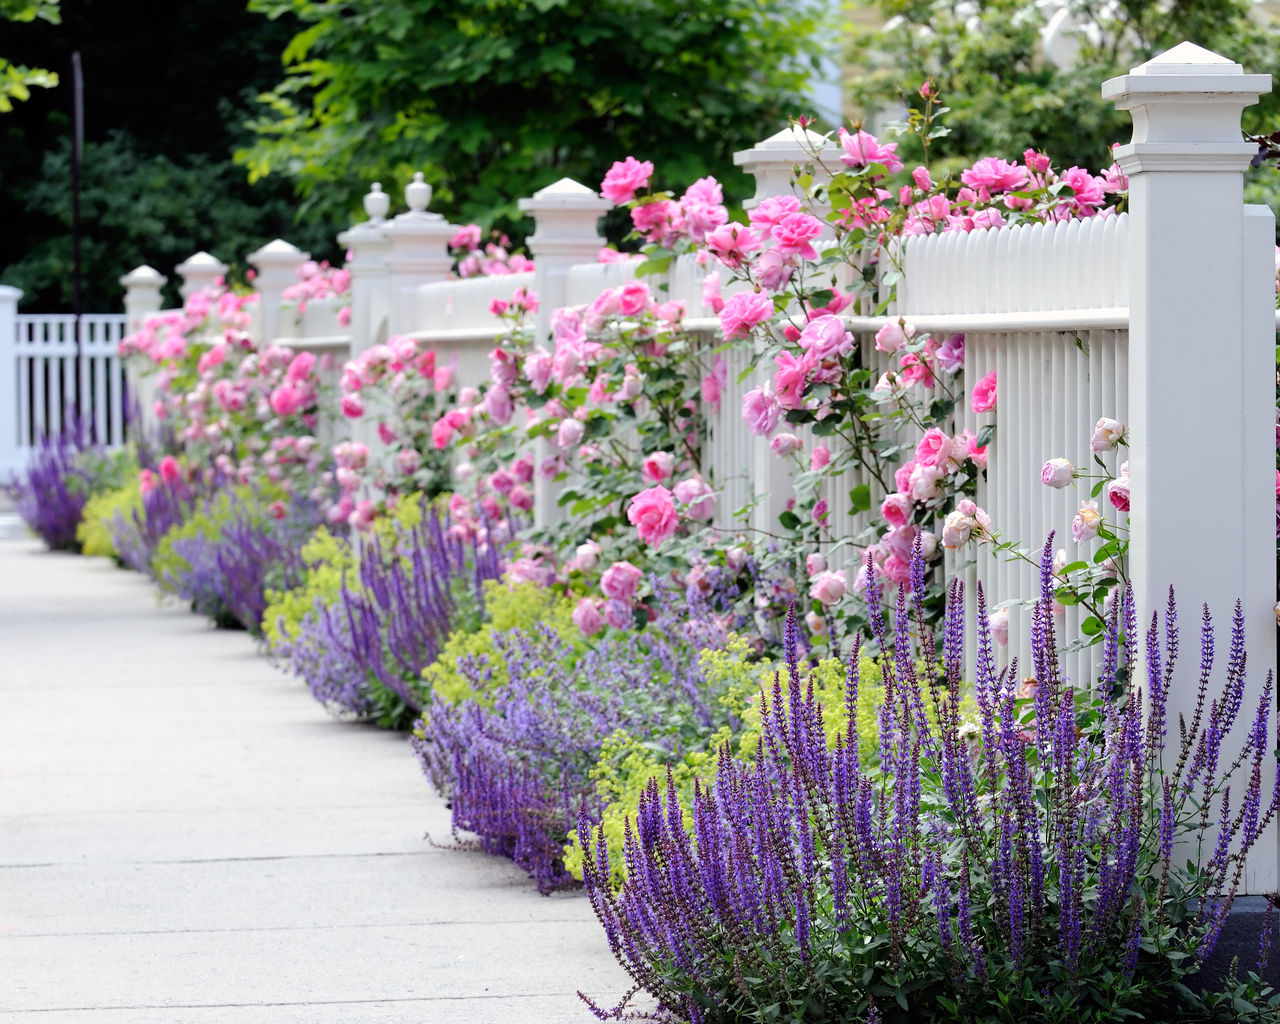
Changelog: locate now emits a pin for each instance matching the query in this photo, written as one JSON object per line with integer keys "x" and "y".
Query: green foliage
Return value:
{"x": 505, "y": 607}
{"x": 1005, "y": 96}
{"x": 137, "y": 208}
{"x": 493, "y": 99}
{"x": 327, "y": 558}
{"x": 94, "y": 531}
{"x": 16, "y": 80}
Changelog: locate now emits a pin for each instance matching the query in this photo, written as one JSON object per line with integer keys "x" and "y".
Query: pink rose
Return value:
{"x": 633, "y": 297}
{"x": 825, "y": 337}
{"x": 816, "y": 623}
{"x": 995, "y": 175}
{"x": 499, "y": 405}
{"x": 795, "y": 234}
{"x": 362, "y": 518}
{"x": 620, "y": 580}
{"x": 653, "y": 514}
{"x": 658, "y": 466}
{"x": 586, "y": 616}
{"x": 815, "y": 563}
{"x": 569, "y": 433}
{"x": 618, "y": 614}
{"x": 1057, "y": 473}
{"x": 978, "y": 455}
{"x": 442, "y": 378}
{"x": 653, "y": 220}
{"x": 744, "y": 311}
{"x": 732, "y": 243}
{"x": 408, "y": 461}
{"x": 921, "y": 177}
{"x": 891, "y": 337}
{"x": 624, "y": 179}
{"x": 698, "y": 499}
{"x": 774, "y": 269}
{"x": 502, "y": 482}
{"x": 1106, "y": 435}
{"x": 786, "y": 444}
{"x": 711, "y": 293}
{"x": 351, "y": 406}
{"x": 896, "y": 509}
{"x": 170, "y": 471}
{"x": 441, "y": 432}
{"x": 902, "y": 477}
{"x": 983, "y": 396}
{"x": 820, "y": 457}
{"x": 1118, "y": 493}
{"x": 1087, "y": 522}
{"x": 537, "y": 368}
{"x": 760, "y": 409}
{"x": 771, "y": 210}
{"x": 790, "y": 378}
{"x": 522, "y": 469}
{"x": 934, "y": 448}
{"x": 863, "y": 148}
{"x": 520, "y": 498}
{"x": 498, "y": 306}
{"x": 950, "y": 354}
{"x": 286, "y": 400}
{"x": 828, "y": 588}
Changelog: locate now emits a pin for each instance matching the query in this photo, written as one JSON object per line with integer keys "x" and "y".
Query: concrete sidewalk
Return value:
{"x": 186, "y": 836}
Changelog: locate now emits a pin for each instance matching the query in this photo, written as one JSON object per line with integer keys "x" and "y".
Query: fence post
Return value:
{"x": 141, "y": 298}
{"x": 277, "y": 266}
{"x": 566, "y": 215}
{"x": 369, "y": 246}
{"x": 772, "y": 163}
{"x": 1201, "y": 368}
{"x": 10, "y": 460}
{"x": 419, "y": 253}
{"x": 199, "y": 271}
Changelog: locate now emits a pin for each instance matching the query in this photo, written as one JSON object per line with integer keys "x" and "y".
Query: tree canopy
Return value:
{"x": 493, "y": 99}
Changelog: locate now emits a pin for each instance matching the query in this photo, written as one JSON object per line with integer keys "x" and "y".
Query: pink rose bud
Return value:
{"x": 815, "y": 563}
{"x": 1057, "y": 473}
{"x": 820, "y": 457}
{"x": 890, "y": 338}
{"x": 1087, "y": 522}
{"x": 999, "y": 624}
{"x": 1106, "y": 435}
{"x": 736, "y": 558}
{"x": 786, "y": 444}
{"x": 658, "y": 466}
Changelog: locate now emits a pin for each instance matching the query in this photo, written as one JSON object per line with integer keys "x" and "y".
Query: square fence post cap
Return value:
{"x": 201, "y": 263}
{"x": 1187, "y": 68}
{"x": 278, "y": 251}
{"x": 565, "y": 194}
{"x": 791, "y": 145}
{"x": 142, "y": 277}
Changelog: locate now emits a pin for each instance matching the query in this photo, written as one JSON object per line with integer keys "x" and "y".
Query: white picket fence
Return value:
{"x": 38, "y": 379}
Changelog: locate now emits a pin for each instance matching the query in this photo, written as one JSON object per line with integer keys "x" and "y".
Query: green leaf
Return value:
{"x": 789, "y": 520}
{"x": 1092, "y": 626}
{"x": 827, "y": 427}
{"x": 860, "y": 498}
{"x": 986, "y": 435}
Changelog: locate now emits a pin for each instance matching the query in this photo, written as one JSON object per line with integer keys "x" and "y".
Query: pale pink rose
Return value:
{"x": 983, "y": 396}
{"x": 825, "y": 337}
{"x": 351, "y": 406}
{"x": 653, "y": 514}
{"x": 929, "y": 545}
{"x": 760, "y": 409}
{"x": 736, "y": 557}
{"x": 569, "y": 433}
{"x": 786, "y": 444}
{"x": 672, "y": 312}
{"x": 816, "y": 623}
{"x": 924, "y": 481}
{"x": 711, "y": 391}
{"x": 711, "y": 298}
{"x": 1118, "y": 493}
{"x": 934, "y": 448}
{"x": 950, "y": 354}
{"x": 1086, "y": 523}
{"x": 897, "y": 570}
{"x": 965, "y": 522}
{"x": 794, "y": 235}
{"x": 891, "y": 337}
{"x": 442, "y": 379}
{"x": 1057, "y": 473}
{"x": 624, "y": 179}
{"x": 658, "y": 466}
{"x": 362, "y": 518}
{"x": 586, "y": 557}
{"x": 618, "y": 614}
{"x": 620, "y": 580}
{"x": 502, "y": 368}
{"x": 774, "y": 269}
{"x": 408, "y": 461}
{"x": 586, "y": 616}
{"x": 820, "y": 457}
{"x": 828, "y": 588}
{"x": 468, "y": 396}
{"x": 862, "y": 148}
{"x": 902, "y": 477}
{"x": 1106, "y": 435}
{"x": 999, "y": 624}
{"x": 896, "y": 509}
{"x": 529, "y": 570}
{"x": 698, "y": 499}
{"x": 537, "y": 368}
{"x": 744, "y": 311}
{"x": 344, "y": 316}
{"x": 499, "y": 405}
{"x": 520, "y": 498}
{"x": 814, "y": 563}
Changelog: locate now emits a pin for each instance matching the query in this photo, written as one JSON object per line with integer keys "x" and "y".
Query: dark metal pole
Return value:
{"x": 77, "y": 152}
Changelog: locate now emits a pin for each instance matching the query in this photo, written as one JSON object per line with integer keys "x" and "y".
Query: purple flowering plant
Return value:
{"x": 1061, "y": 865}
{"x": 516, "y": 758}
